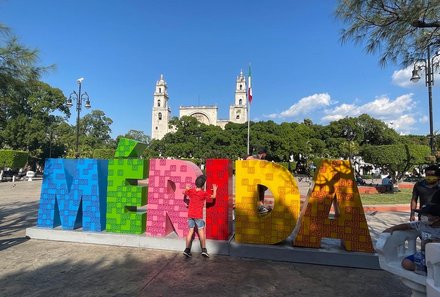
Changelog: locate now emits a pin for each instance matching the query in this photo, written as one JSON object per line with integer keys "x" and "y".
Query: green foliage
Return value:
{"x": 13, "y": 159}
{"x": 95, "y": 128}
{"x": 106, "y": 154}
{"x": 94, "y": 133}
{"x": 398, "y": 158}
{"x": 136, "y": 135}
{"x": 26, "y": 104}
{"x": 17, "y": 62}
{"x": 285, "y": 165}
{"x": 341, "y": 138}
{"x": 33, "y": 114}
{"x": 401, "y": 30}
{"x": 196, "y": 161}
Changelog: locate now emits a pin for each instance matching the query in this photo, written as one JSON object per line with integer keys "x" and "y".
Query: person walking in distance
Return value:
{"x": 197, "y": 197}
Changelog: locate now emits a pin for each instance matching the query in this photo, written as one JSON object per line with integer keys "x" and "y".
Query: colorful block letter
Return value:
{"x": 73, "y": 194}
{"x": 123, "y": 194}
{"x": 275, "y": 226}
{"x": 334, "y": 184}
{"x": 167, "y": 210}
{"x": 219, "y": 212}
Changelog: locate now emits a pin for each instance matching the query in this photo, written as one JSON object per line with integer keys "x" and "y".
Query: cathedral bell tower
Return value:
{"x": 161, "y": 111}
{"x": 238, "y": 111}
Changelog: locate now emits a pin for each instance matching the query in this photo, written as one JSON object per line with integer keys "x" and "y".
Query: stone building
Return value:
{"x": 205, "y": 114}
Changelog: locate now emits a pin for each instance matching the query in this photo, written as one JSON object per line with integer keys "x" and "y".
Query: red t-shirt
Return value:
{"x": 196, "y": 202}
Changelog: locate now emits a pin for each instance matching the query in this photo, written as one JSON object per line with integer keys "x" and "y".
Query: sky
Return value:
{"x": 300, "y": 68}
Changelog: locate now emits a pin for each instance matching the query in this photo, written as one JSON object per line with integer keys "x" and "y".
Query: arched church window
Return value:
{"x": 160, "y": 90}
{"x": 240, "y": 101}
{"x": 237, "y": 117}
{"x": 158, "y": 102}
{"x": 241, "y": 87}
{"x": 160, "y": 116}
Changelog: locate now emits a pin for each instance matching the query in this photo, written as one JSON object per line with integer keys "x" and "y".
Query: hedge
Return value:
{"x": 106, "y": 154}
{"x": 13, "y": 159}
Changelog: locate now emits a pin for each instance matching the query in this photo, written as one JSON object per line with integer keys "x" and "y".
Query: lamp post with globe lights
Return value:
{"x": 428, "y": 65}
{"x": 79, "y": 97}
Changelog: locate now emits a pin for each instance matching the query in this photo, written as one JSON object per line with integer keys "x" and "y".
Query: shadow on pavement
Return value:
{"x": 10, "y": 242}
{"x": 80, "y": 270}
{"x": 17, "y": 216}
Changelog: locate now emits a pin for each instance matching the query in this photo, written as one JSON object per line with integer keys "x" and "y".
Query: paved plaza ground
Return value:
{"x": 32, "y": 267}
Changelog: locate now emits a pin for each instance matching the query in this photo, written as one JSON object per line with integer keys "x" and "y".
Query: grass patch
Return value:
{"x": 402, "y": 197}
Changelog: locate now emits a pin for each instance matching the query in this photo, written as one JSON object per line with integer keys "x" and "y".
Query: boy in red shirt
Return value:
{"x": 197, "y": 197}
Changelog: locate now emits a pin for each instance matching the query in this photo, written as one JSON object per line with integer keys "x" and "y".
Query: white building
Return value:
{"x": 205, "y": 114}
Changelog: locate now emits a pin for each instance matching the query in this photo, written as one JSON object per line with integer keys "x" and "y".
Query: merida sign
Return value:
{"x": 98, "y": 195}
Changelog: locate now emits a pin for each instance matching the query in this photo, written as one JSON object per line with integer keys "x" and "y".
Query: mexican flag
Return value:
{"x": 249, "y": 86}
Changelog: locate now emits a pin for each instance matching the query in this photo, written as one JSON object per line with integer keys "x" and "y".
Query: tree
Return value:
{"x": 398, "y": 158}
{"x": 136, "y": 135}
{"x": 94, "y": 131}
{"x": 26, "y": 105}
{"x": 401, "y": 29}
{"x": 26, "y": 118}
{"x": 376, "y": 132}
{"x": 17, "y": 62}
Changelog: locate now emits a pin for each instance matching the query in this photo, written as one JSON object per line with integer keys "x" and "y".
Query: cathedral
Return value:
{"x": 204, "y": 114}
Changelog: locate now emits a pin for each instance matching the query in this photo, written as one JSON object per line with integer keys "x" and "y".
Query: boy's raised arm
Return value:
{"x": 186, "y": 189}
{"x": 214, "y": 191}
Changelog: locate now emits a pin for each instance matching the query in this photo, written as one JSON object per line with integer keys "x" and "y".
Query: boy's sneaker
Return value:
{"x": 262, "y": 209}
{"x": 187, "y": 253}
{"x": 205, "y": 253}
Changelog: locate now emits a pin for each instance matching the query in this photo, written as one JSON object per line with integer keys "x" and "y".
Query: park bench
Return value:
{"x": 392, "y": 248}
{"x": 6, "y": 175}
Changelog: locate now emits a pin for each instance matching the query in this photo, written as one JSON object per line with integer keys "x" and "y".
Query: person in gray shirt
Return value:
{"x": 428, "y": 228}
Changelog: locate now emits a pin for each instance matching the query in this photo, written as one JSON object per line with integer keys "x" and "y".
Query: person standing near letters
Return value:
{"x": 428, "y": 228}
{"x": 197, "y": 197}
{"x": 425, "y": 189}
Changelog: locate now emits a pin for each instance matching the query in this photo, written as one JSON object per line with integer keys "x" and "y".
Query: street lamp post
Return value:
{"x": 79, "y": 99}
{"x": 428, "y": 65}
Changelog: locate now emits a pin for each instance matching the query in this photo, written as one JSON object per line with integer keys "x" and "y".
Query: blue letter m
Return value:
{"x": 73, "y": 194}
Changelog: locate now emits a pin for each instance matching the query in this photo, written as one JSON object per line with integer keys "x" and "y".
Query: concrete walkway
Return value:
{"x": 48, "y": 268}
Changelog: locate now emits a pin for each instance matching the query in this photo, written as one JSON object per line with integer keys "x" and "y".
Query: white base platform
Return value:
{"x": 329, "y": 255}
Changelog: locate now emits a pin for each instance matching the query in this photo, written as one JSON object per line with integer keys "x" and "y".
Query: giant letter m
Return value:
{"x": 73, "y": 194}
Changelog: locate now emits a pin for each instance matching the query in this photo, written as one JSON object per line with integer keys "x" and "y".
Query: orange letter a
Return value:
{"x": 334, "y": 184}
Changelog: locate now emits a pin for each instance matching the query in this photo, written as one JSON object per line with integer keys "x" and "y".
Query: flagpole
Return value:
{"x": 249, "y": 101}
{"x": 249, "y": 115}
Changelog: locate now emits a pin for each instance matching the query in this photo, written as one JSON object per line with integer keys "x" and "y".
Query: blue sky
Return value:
{"x": 299, "y": 67}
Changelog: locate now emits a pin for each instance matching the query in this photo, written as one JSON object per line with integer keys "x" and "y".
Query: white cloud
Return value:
{"x": 396, "y": 113}
{"x": 384, "y": 106}
{"x": 306, "y": 105}
{"x": 271, "y": 116}
{"x": 341, "y": 111}
{"x": 403, "y": 124}
{"x": 424, "y": 119}
{"x": 402, "y": 77}
{"x": 381, "y": 107}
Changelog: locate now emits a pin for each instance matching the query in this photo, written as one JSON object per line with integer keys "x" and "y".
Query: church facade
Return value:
{"x": 204, "y": 114}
